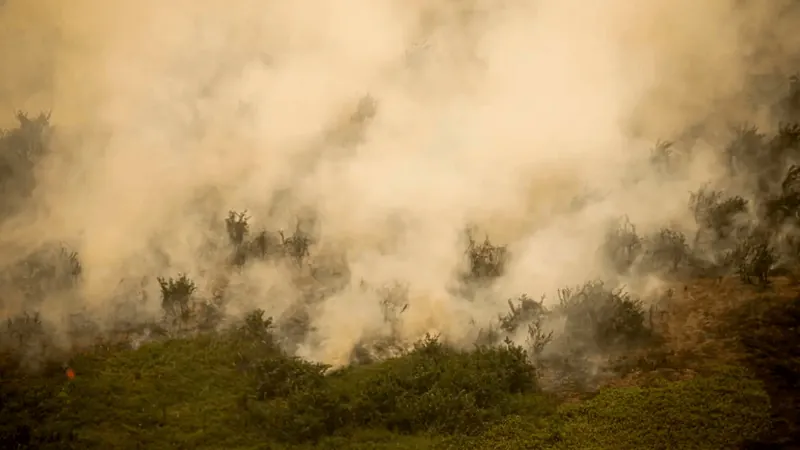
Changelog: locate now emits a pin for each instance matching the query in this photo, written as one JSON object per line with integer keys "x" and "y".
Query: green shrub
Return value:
{"x": 512, "y": 433}
{"x": 255, "y": 333}
{"x": 176, "y": 296}
{"x": 602, "y": 319}
{"x": 433, "y": 388}
{"x": 284, "y": 377}
{"x": 531, "y": 314}
{"x": 525, "y": 312}
{"x": 721, "y": 411}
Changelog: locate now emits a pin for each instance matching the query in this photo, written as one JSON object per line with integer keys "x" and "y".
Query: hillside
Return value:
{"x": 462, "y": 225}
{"x": 709, "y": 362}
{"x": 724, "y": 378}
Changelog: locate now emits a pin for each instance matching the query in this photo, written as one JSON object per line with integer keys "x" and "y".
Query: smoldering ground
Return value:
{"x": 396, "y": 123}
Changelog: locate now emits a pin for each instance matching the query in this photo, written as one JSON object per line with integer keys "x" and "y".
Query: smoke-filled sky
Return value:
{"x": 496, "y": 113}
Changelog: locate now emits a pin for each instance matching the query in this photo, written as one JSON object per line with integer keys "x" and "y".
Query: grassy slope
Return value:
{"x": 201, "y": 393}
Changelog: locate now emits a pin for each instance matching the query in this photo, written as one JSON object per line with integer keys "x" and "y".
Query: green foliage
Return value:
{"x": 602, "y": 319}
{"x": 524, "y": 311}
{"x": 512, "y": 433}
{"x": 531, "y": 314}
{"x": 176, "y": 295}
{"x": 720, "y": 411}
{"x": 180, "y": 390}
{"x": 236, "y": 389}
{"x": 599, "y": 325}
{"x": 527, "y": 313}
{"x": 256, "y": 327}
{"x": 433, "y": 388}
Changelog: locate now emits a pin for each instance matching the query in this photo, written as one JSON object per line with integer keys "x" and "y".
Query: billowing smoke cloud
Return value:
{"x": 396, "y": 122}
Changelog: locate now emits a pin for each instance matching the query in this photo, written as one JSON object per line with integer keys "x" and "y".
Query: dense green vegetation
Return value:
{"x": 236, "y": 389}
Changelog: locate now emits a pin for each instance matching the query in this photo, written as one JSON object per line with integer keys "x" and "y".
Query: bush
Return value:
{"x": 531, "y": 314}
{"x": 512, "y": 433}
{"x": 781, "y": 149}
{"x": 784, "y": 207}
{"x": 21, "y": 149}
{"x": 725, "y": 409}
{"x": 754, "y": 258}
{"x": 263, "y": 245}
{"x": 526, "y": 310}
{"x": 486, "y": 260}
{"x": 176, "y": 296}
{"x": 716, "y": 214}
{"x": 49, "y": 269}
{"x": 297, "y": 246}
{"x": 665, "y": 252}
{"x": 622, "y": 246}
{"x": 433, "y": 388}
{"x": 602, "y": 319}
{"x": 742, "y": 153}
{"x": 24, "y": 342}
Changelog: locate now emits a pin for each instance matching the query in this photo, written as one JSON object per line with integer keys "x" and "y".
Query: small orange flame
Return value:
{"x": 70, "y": 373}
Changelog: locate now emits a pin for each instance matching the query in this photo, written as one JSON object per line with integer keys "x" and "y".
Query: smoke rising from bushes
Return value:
{"x": 393, "y": 125}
